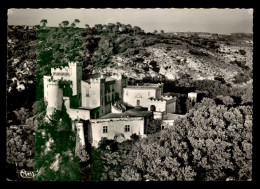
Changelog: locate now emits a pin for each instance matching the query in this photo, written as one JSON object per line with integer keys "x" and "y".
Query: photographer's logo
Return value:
{"x": 27, "y": 174}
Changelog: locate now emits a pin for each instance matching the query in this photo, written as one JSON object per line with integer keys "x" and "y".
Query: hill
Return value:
{"x": 119, "y": 48}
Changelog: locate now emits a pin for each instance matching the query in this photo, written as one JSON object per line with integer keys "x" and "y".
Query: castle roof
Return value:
{"x": 145, "y": 86}
{"x": 134, "y": 112}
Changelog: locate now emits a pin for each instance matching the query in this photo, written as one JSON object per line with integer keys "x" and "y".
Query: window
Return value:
{"x": 104, "y": 129}
{"x": 138, "y": 103}
{"x": 126, "y": 92}
{"x": 162, "y": 126}
{"x": 127, "y": 128}
{"x": 87, "y": 91}
{"x": 148, "y": 93}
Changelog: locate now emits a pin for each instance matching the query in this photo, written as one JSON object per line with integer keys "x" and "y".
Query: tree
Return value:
{"x": 248, "y": 96}
{"x": 226, "y": 100}
{"x": 214, "y": 133}
{"x": 189, "y": 104}
{"x": 43, "y": 22}
{"x": 154, "y": 126}
{"x": 212, "y": 142}
{"x": 65, "y": 23}
{"x": 22, "y": 115}
{"x": 77, "y": 21}
{"x": 19, "y": 149}
{"x": 55, "y": 155}
{"x": 136, "y": 29}
{"x": 162, "y": 31}
{"x": 242, "y": 51}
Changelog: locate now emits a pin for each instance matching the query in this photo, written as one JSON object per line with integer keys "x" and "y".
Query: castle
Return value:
{"x": 105, "y": 106}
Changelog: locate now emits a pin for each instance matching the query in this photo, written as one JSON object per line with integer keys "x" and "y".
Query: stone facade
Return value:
{"x": 113, "y": 127}
{"x": 100, "y": 103}
{"x": 149, "y": 96}
{"x": 53, "y": 94}
{"x": 121, "y": 125}
{"x": 73, "y": 73}
{"x": 101, "y": 92}
{"x": 136, "y": 95}
{"x": 93, "y": 98}
{"x": 76, "y": 113}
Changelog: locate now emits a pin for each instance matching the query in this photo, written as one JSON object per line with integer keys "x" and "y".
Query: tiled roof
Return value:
{"x": 134, "y": 112}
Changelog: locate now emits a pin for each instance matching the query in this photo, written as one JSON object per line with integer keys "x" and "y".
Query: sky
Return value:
{"x": 170, "y": 20}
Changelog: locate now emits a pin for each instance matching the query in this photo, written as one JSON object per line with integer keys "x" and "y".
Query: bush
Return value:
{"x": 105, "y": 144}
{"x": 219, "y": 78}
{"x": 241, "y": 78}
{"x": 196, "y": 52}
{"x": 242, "y": 52}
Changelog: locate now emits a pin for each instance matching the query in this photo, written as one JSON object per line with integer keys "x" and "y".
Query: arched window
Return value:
{"x": 152, "y": 108}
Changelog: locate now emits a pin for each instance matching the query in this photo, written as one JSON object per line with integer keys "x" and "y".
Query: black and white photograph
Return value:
{"x": 129, "y": 94}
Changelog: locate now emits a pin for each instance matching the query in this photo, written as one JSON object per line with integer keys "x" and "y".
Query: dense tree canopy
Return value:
{"x": 213, "y": 142}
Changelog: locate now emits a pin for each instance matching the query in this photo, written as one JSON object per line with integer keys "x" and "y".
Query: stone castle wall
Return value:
{"x": 116, "y": 127}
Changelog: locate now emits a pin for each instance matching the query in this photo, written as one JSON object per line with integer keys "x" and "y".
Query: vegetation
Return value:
{"x": 213, "y": 141}
{"x": 55, "y": 154}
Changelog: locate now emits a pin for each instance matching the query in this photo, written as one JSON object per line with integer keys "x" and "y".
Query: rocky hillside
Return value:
{"x": 224, "y": 59}
{"x": 119, "y": 48}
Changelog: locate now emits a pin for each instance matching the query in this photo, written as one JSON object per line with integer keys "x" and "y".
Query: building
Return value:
{"x": 120, "y": 125}
{"x": 84, "y": 100}
{"x": 101, "y": 91}
{"x": 149, "y": 96}
{"x": 98, "y": 106}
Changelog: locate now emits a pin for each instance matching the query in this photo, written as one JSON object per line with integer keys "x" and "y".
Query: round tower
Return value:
{"x": 54, "y": 97}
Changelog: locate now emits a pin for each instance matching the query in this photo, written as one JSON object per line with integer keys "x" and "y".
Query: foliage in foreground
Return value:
{"x": 55, "y": 156}
{"x": 214, "y": 142}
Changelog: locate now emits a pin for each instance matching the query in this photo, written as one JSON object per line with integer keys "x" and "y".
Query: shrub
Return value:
{"x": 242, "y": 52}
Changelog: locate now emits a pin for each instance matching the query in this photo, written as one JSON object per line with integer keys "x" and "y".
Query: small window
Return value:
{"x": 162, "y": 126}
{"x": 104, "y": 129}
{"x": 148, "y": 93}
{"x": 127, "y": 128}
{"x": 126, "y": 93}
